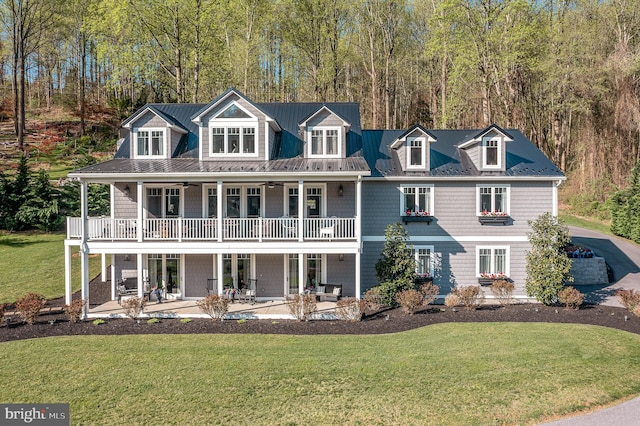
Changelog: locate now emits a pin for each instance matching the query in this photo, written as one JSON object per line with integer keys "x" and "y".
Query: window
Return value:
{"x": 492, "y": 260}
{"x": 417, "y": 200}
{"x": 292, "y": 201}
{"x": 150, "y": 142}
{"x": 314, "y": 270}
{"x": 493, "y": 199}
{"x": 314, "y": 202}
{"x": 416, "y": 156}
{"x": 233, "y": 132}
{"x": 163, "y": 202}
{"x": 424, "y": 260}
{"x": 253, "y": 202}
{"x": 243, "y": 201}
{"x": 212, "y": 202}
{"x": 325, "y": 142}
{"x": 491, "y": 153}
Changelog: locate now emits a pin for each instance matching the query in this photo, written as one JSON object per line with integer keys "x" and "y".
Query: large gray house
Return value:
{"x": 285, "y": 196}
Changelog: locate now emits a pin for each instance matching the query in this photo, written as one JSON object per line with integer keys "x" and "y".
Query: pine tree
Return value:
{"x": 396, "y": 268}
{"x": 548, "y": 266}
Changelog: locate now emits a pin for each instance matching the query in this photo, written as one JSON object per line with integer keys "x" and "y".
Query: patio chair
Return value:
{"x": 327, "y": 232}
{"x": 249, "y": 294}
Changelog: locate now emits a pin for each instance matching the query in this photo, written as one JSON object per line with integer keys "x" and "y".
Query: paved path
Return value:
{"x": 622, "y": 256}
{"x": 624, "y": 259}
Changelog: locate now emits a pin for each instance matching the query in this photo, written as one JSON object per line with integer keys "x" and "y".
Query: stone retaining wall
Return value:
{"x": 589, "y": 271}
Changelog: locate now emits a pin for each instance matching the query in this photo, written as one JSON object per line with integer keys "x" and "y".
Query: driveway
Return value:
{"x": 622, "y": 256}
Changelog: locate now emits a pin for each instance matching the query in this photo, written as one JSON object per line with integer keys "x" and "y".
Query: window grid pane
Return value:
{"x": 500, "y": 261}
{"x": 424, "y": 199}
{"x": 143, "y": 143}
{"x": 332, "y": 142}
{"x": 233, "y": 140}
{"x": 484, "y": 266}
{"x": 157, "y": 143}
{"x": 492, "y": 153}
{"x": 316, "y": 142}
{"x": 248, "y": 140}
{"x": 217, "y": 140}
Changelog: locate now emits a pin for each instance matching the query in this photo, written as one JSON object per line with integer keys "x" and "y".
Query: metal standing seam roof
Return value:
{"x": 523, "y": 158}
{"x": 365, "y": 149}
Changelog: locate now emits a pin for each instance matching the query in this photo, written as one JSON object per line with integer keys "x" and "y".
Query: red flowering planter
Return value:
{"x": 493, "y": 220}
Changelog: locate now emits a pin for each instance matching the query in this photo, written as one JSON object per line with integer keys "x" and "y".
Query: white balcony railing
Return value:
{"x": 233, "y": 229}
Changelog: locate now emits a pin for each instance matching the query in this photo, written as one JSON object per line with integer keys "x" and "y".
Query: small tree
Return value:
{"x": 548, "y": 267}
{"x": 396, "y": 268}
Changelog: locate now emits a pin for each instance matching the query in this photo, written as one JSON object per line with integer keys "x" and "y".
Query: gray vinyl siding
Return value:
{"x": 125, "y": 207}
{"x": 120, "y": 264}
{"x": 149, "y": 119}
{"x": 342, "y": 272}
{"x": 274, "y": 200}
{"x": 454, "y": 265}
{"x": 198, "y": 268}
{"x": 260, "y": 140}
{"x": 341, "y": 206}
{"x": 474, "y": 152}
{"x": 192, "y": 196}
{"x": 270, "y": 275}
{"x": 454, "y": 209}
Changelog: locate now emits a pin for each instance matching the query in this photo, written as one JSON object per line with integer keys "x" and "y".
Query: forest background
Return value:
{"x": 564, "y": 72}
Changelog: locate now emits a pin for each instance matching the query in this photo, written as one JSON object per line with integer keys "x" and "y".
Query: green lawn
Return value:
{"x": 34, "y": 262}
{"x": 491, "y": 373}
{"x": 587, "y": 224}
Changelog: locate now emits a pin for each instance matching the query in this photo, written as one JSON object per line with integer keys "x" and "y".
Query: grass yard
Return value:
{"x": 34, "y": 262}
{"x": 490, "y": 373}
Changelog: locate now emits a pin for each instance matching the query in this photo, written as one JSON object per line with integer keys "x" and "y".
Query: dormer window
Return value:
{"x": 325, "y": 142}
{"x": 491, "y": 153}
{"x": 150, "y": 143}
{"x": 233, "y": 132}
{"x": 416, "y": 157}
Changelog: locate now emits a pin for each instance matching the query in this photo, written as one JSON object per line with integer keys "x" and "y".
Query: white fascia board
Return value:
{"x": 148, "y": 109}
{"x": 320, "y": 176}
{"x": 398, "y": 142}
{"x": 468, "y": 178}
{"x": 208, "y": 247}
{"x": 452, "y": 239}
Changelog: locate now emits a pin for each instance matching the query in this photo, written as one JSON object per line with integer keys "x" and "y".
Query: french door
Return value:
{"x": 236, "y": 270}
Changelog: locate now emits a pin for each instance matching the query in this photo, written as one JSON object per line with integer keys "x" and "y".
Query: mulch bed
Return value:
{"x": 55, "y": 323}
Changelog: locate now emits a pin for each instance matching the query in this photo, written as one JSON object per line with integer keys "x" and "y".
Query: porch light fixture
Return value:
{"x": 126, "y": 191}
{"x": 271, "y": 185}
{"x": 340, "y": 191}
{"x": 341, "y": 257}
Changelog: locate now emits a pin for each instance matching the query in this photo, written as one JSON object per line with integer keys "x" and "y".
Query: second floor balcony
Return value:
{"x": 213, "y": 229}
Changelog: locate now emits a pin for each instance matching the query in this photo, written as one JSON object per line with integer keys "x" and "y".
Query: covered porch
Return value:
{"x": 266, "y": 310}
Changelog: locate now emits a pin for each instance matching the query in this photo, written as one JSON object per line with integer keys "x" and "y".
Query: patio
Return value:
{"x": 273, "y": 309}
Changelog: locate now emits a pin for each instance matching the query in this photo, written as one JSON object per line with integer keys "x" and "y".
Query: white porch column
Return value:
{"x": 301, "y": 201}
{"x": 220, "y": 197}
{"x": 67, "y": 274}
{"x": 358, "y": 286}
{"x": 140, "y": 203}
{"x": 103, "y": 272}
{"x": 114, "y": 282}
{"x": 219, "y": 273}
{"x": 301, "y": 268}
{"x": 84, "y": 248}
{"x": 140, "y": 276}
{"x": 359, "y": 209}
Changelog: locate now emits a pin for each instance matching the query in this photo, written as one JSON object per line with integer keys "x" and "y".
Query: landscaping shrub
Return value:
{"x": 410, "y": 300}
{"x": 396, "y": 267}
{"x": 350, "y": 309}
{"x": 451, "y": 300}
{"x": 429, "y": 293}
{"x": 133, "y": 306}
{"x": 74, "y": 311}
{"x": 214, "y": 306}
{"x": 630, "y": 299}
{"x": 570, "y": 297}
{"x": 29, "y": 307}
{"x": 301, "y": 306}
{"x": 1, "y": 313}
{"x": 470, "y": 296}
{"x": 503, "y": 291}
{"x": 389, "y": 289}
{"x": 153, "y": 321}
{"x": 98, "y": 321}
{"x": 373, "y": 298}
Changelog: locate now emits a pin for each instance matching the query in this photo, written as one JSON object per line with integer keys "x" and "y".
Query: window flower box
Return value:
{"x": 490, "y": 218}
{"x": 421, "y": 279}
{"x": 419, "y": 216}
{"x": 488, "y": 279}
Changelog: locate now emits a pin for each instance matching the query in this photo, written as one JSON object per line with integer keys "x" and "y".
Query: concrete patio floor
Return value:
{"x": 275, "y": 309}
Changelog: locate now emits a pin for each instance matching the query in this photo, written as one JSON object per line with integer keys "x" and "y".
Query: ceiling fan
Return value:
{"x": 272, "y": 184}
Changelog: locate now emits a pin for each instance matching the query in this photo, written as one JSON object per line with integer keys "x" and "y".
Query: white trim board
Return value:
{"x": 464, "y": 238}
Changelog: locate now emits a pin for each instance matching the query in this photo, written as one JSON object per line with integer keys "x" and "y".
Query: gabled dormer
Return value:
{"x": 487, "y": 149}
{"x": 233, "y": 128}
{"x": 413, "y": 148}
{"x": 153, "y": 134}
{"x": 325, "y": 134}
